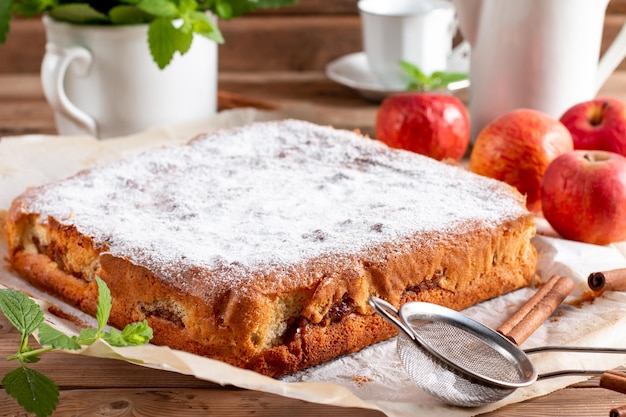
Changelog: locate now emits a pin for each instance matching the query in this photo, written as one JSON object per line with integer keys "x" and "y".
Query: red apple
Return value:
{"x": 584, "y": 196}
{"x": 435, "y": 125}
{"x": 517, "y": 147}
{"x": 598, "y": 124}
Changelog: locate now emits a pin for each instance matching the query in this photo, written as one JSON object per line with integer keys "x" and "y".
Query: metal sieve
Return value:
{"x": 459, "y": 360}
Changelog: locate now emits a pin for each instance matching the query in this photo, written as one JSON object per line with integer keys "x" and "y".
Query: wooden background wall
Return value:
{"x": 302, "y": 37}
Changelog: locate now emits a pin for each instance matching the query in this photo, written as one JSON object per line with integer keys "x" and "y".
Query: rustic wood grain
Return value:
{"x": 303, "y": 40}
{"x": 107, "y": 388}
{"x": 103, "y": 387}
{"x": 23, "y": 108}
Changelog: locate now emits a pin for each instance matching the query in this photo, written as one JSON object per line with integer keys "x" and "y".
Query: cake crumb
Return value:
{"x": 362, "y": 380}
{"x": 588, "y": 296}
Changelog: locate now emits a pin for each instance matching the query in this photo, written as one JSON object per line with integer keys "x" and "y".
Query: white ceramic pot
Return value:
{"x": 102, "y": 80}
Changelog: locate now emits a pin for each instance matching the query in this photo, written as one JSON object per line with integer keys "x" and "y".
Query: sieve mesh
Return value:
{"x": 467, "y": 351}
{"x": 453, "y": 357}
{"x": 441, "y": 381}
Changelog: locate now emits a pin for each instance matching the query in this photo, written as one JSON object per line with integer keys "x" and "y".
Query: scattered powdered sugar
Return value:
{"x": 272, "y": 193}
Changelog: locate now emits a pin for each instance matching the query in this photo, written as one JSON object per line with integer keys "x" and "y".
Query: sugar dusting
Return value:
{"x": 267, "y": 195}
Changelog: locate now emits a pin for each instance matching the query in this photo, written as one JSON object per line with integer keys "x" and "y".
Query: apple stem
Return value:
{"x": 595, "y": 118}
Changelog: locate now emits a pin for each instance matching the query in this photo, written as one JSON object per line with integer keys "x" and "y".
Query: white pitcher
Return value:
{"x": 540, "y": 54}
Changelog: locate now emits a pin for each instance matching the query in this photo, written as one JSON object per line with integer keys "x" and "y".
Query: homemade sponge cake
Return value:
{"x": 259, "y": 246}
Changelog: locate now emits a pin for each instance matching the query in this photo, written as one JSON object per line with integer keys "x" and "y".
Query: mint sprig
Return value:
{"x": 35, "y": 392}
{"x": 419, "y": 81}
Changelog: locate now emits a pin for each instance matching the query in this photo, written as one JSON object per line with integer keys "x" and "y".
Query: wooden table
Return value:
{"x": 102, "y": 387}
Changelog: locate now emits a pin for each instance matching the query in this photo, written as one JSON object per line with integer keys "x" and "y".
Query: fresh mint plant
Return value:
{"x": 35, "y": 392}
{"x": 172, "y": 22}
{"x": 422, "y": 82}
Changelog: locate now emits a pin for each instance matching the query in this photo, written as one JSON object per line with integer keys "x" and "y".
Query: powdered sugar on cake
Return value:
{"x": 268, "y": 194}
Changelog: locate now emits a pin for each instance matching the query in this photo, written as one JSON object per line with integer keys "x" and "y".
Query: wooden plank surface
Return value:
{"x": 303, "y": 38}
{"x": 102, "y": 387}
{"x": 105, "y": 387}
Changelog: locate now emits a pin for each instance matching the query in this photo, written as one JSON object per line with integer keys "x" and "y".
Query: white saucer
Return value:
{"x": 353, "y": 71}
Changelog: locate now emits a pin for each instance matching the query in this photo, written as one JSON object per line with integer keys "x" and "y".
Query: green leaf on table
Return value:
{"x": 134, "y": 334}
{"x": 104, "y": 304}
{"x": 138, "y": 333}
{"x": 159, "y": 8}
{"x": 49, "y": 336}
{"x": 35, "y": 392}
{"x": 127, "y": 14}
{"x": 87, "y": 336}
{"x": 23, "y": 313}
{"x": 114, "y": 338}
{"x": 81, "y": 13}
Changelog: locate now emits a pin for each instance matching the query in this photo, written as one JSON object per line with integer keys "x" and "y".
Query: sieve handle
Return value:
{"x": 389, "y": 313}
{"x": 611, "y": 379}
{"x": 574, "y": 349}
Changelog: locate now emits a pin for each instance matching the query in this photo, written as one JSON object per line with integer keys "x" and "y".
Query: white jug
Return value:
{"x": 539, "y": 54}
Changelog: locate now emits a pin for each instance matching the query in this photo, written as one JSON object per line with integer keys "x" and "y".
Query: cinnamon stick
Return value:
{"x": 537, "y": 309}
{"x": 618, "y": 412}
{"x": 613, "y": 380}
{"x": 613, "y": 280}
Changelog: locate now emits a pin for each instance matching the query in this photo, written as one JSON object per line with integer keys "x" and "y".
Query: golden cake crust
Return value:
{"x": 307, "y": 303}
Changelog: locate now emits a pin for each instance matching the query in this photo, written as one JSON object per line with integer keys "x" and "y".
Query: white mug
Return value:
{"x": 102, "y": 80}
{"x": 539, "y": 54}
{"x": 417, "y": 31}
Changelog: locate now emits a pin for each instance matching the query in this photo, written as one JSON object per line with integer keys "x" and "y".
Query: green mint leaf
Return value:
{"x": 35, "y": 392}
{"x": 23, "y": 313}
{"x": 114, "y": 338}
{"x": 104, "y": 304}
{"x": 164, "y": 40}
{"x": 87, "y": 336}
{"x": 30, "y": 8}
{"x": 49, "y": 336}
{"x": 413, "y": 73}
{"x": 204, "y": 26}
{"x": 5, "y": 19}
{"x": 187, "y": 6}
{"x": 440, "y": 79}
{"x": 422, "y": 82}
{"x": 161, "y": 35}
{"x": 224, "y": 10}
{"x": 81, "y": 13}
{"x": 265, "y": 4}
{"x": 129, "y": 15}
{"x": 159, "y": 8}
{"x": 183, "y": 40}
{"x": 136, "y": 334}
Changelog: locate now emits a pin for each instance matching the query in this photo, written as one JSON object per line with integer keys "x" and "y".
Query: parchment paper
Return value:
{"x": 373, "y": 378}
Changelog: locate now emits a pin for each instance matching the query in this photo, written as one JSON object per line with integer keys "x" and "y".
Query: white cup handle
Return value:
{"x": 611, "y": 58}
{"x": 53, "y": 68}
{"x": 459, "y": 60}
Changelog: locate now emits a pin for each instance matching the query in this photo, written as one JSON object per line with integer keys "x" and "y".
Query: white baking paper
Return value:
{"x": 373, "y": 378}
